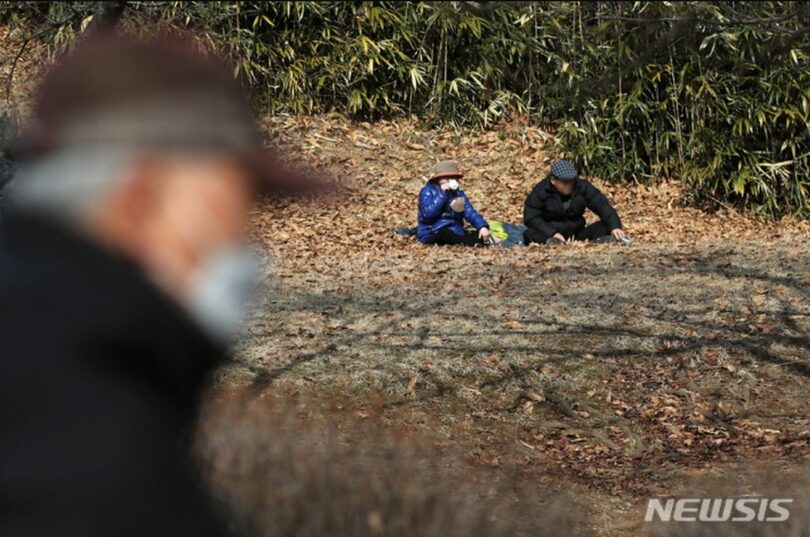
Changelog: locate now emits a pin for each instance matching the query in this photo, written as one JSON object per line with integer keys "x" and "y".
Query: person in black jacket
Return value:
{"x": 553, "y": 211}
{"x": 122, "y": 279}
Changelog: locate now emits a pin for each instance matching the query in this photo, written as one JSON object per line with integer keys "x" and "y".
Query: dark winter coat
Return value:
{"x": 545, "y": 209}
{"x": 435, "y": 212}
{"x": 99, "y": 379}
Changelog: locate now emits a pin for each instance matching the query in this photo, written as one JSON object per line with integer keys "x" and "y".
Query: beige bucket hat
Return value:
{"x": 446, "y": 168}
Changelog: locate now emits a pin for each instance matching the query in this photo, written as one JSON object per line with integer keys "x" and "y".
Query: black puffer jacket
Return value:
{"x": 99, "y": 379}
{"x": 545, "y": 209}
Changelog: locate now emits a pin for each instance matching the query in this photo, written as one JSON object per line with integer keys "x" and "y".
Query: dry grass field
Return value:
{"x": 612, "y": 374}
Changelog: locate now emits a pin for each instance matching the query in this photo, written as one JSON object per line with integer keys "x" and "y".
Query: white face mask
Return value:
{"x": 221, "y": 291}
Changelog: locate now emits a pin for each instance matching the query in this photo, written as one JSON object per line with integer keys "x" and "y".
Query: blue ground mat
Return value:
{"x": 515, "y": 232}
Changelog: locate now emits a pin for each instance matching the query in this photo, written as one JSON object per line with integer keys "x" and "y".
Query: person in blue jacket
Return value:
{"x": 443, "y": 207}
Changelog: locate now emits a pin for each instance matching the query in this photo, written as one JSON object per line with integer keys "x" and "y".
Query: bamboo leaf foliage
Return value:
{"x": 716, "y": 93}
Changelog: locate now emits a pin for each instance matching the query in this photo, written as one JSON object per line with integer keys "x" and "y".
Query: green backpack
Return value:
{"x": 497, "y": 230}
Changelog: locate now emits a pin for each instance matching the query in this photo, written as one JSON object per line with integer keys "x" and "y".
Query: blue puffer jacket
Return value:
{"x": 435, "y": 212}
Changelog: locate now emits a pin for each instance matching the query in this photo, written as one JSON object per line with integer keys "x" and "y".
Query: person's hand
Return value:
{"x": 559, "y": 236}
{"x": 458, "y": 204}
{"x": 618, "y": 233}
{"x": 484, "y": 235}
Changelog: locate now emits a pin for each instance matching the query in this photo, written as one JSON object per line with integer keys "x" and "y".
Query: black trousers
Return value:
{"x": 588, "y": 233}
{"x": 445, "y": 237}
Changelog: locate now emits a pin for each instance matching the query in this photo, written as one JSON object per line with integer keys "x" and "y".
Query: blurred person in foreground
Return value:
{"x": 123, "y": 274}
{"x": 554, "y": 210}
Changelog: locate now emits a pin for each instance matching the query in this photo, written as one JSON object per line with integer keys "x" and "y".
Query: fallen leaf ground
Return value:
{"x": 619, "y": 372}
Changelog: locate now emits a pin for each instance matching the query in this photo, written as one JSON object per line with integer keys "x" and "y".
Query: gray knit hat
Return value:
{"x": 564, "y": 170}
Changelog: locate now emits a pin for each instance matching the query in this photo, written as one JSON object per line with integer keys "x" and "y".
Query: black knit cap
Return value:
{"x": 564, "y": 170}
